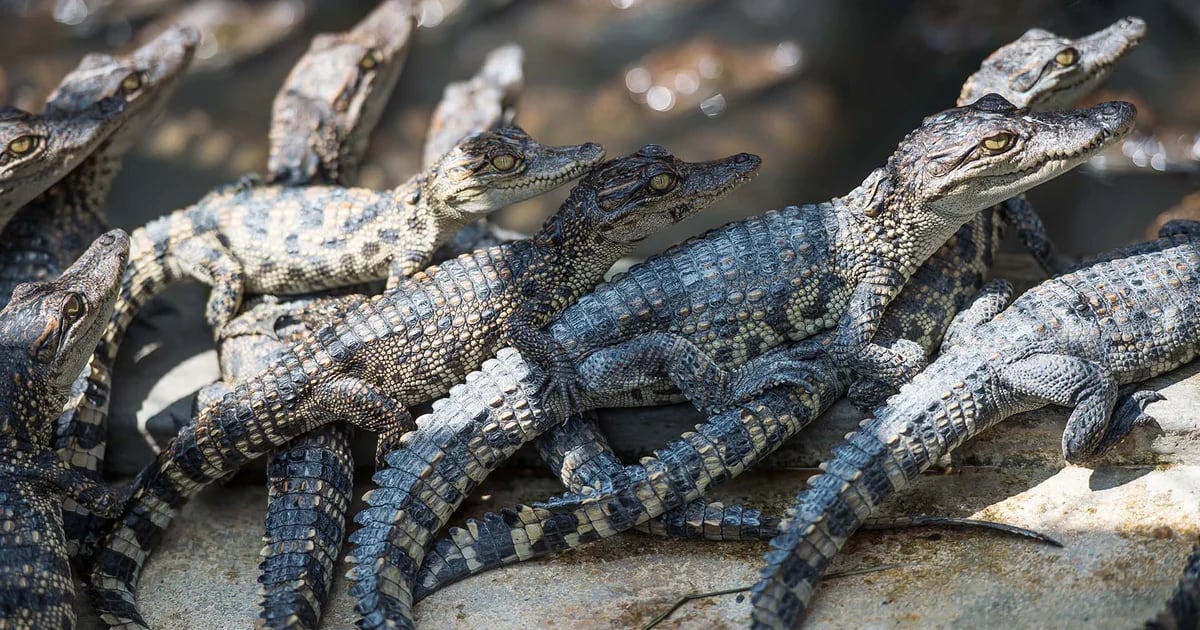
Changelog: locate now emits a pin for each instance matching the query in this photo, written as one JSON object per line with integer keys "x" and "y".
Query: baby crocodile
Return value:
{"x": 47, "y": 332}
{"x": 412, "y": 343}
{"x": 293, "y": 239}
{"x": 323, "y": 115}
{"x": 1073, "y": 340}
{"x": 626, "y": 375}
{"x": 729, "y": 296}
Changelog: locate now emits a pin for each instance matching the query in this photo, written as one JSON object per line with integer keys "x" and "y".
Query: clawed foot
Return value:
{"x": 561, "y": 380}
{"x": 1130, "y": 412}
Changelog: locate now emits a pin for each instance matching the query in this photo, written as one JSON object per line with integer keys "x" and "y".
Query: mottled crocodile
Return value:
{"x": 47, "y": 332}
{"x": 577, "y": 452}
{"x": 411, "y": 344}
{"x": 727, "y": 297}
{"x": 1074, "y": 341}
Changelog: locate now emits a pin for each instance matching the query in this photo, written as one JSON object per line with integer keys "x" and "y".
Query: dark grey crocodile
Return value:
{"x": 53, "y": 230}
{"x": 47, "y": 332}
{"x": 411, "y": 344}
{"x": 1073, "y": 341}
{"x": 723, "y": 299}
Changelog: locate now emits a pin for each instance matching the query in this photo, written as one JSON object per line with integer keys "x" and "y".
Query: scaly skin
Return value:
{"x": 1072, "y": 341}
{"x": 323, "y": 115}
{"x": 719, "y": 314}
{"x": 1183, "y": 609}
{"x": 48, "y": 331}
{"x": 922, "y": 312}
{"x": 321, "y": 236}
{"x": 411, "y": 344}
{"x": 320, "y": 126}
{"x": 37, "y": 150}
{"x": 54, "y": 229}
{"x": 310, "y": 480}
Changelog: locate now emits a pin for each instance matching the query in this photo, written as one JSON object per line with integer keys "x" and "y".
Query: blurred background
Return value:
{"x": 821, "y": 89}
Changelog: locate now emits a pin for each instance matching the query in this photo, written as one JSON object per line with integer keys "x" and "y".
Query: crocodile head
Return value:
{"x": 1042, "y": 70}
{"x": 968, "y": 158}
{"x": 640, "y": 194}
{"x": 50, "y": 330}
{"x": 493, "y": 169}
{"x": 143, "y": 79}
{"x": 338, "y": 90}
{"x": 38, "y": 150}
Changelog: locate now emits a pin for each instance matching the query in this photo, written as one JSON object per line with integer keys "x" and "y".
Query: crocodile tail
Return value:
{"x": 477, "y": 427}
{"x": 832, "y": 507}
{"x": 1183, "y": 609}
{"x": 310, "y": 482}
{"x": 701, "y": 520}
{"x": 930, "y": 416}
{"x": 677, "y": 474}
{"x": 226, "y": 435}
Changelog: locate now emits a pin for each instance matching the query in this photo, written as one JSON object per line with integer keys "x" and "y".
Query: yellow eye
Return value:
{"x": 369, "y": 60}
{"x": 504, "y": 162}
{"x": 73, "y": 307}
{"x": 1067, "y": 57}
{"x": 132, "y": 83}
{"x": 998, "y": 143}
{"x": 23, "y": 145}
{"x": 662, "y": 182}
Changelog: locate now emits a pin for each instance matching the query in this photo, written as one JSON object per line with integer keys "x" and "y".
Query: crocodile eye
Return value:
{"x": 504, "y": 162}
{"x": 662, "y": 182}
{"x": 132, "y": 83}
{"x": 998, "y": 143}
{"x": 370, "y": 60}
{"x": 1067, "y": 57}
{"x": 72, "y": 308}
{"x": 23, "y": 145}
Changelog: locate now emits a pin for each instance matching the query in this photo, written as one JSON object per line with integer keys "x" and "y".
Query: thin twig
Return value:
{"x": 830, "y": 576}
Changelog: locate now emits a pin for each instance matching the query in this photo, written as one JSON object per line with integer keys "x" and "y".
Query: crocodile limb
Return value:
{"x": 1069, "y": 341}
{"x": 410, "y": 344}
{"x": 942, "y": 286}
{"x": 323, "y": 236}
{"x": 736, "y": 292}
{"x": 48, "y": 331}
{"x": 37, "y": 150}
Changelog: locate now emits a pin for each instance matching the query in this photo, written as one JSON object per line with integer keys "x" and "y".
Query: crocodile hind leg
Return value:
{"x": 1100, "y": 417}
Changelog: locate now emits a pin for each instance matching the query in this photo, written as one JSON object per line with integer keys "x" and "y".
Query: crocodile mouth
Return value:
{"x": 1061, "y": 160}
{"x": 547, "y": 181}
